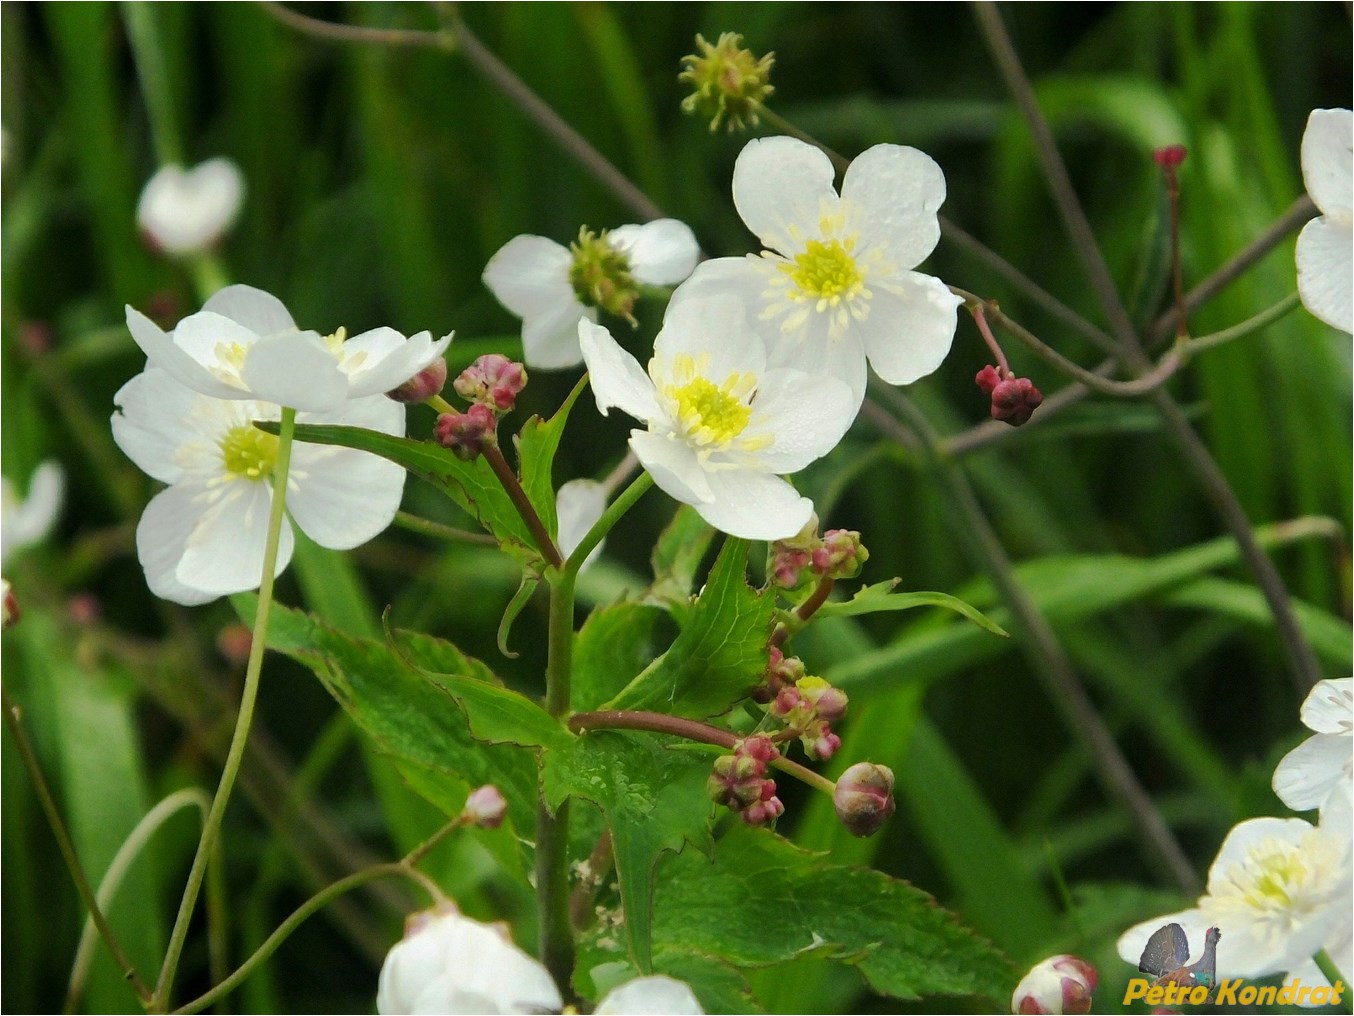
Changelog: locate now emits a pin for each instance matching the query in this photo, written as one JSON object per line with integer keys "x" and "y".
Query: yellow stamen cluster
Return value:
{"x": 825, "y": 273}
{"x": 709, "y": 415}
{"x": 248, "y": 453}
{"x": 731, "y": 82}
{"x": 600, "y": 275}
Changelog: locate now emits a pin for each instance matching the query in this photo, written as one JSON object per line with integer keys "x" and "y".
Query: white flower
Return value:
{"x": 187, "y": 211}
{"x": 836, "y": 285}
{"x": 1059, "y": 984}
{"x": 447, "y": 963}
{"x": 532, "y": 277}
{"x": 578, "y": 506}
{"x": 650, "y": 995}
{"x": 721, "y": 423}
{"x": 243, "y": 344}
{"x": 204, "y": 536}
{"x": 1324, "y": 764}
{"x": 1325, "y": 261}
{"x": 1279, "y": 891}
{"x": 26, "y": 522}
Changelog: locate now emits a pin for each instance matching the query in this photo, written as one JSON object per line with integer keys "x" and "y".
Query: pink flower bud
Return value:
{"x": 1170, "y": 156}
{"x": 759, "y": 747}
{"x": 486, "y": 807}
{"x": 781, "y": 672}
{"x": 828, "y": 702}
{"x": 824, "y": 746}
{"x": 1014, "y": 399}
{"x": 1059, "y": 984}
{"x": 84, "y": 608}
{"x": 12, "y": 611}
{"x": 788, "y": 565}
{"x": 841, "y": 554}
{"x": 423, "y": 385}
{"x": 767, "y": 806}
{"x": 233, "y": 642}
{"x": 864, "y": 798}
{"x": 468, "y": 434}
{"x": 492, "y": 380}
{"x": 786, "y": 701}
{"x": 987, "y": 379}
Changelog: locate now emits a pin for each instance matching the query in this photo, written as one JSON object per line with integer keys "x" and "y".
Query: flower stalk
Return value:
{"x": 159, "y": 1002}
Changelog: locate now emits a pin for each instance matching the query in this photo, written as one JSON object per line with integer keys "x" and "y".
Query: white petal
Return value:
{"x": 806, "y": 415}
{"x": 1325, "y": 264}
{"x": 897, "y": 192}
{"x": 755, "y": 506}
{"x": 161, "y": 537}
{"x": 27, "y": 522}
{"x": 295, "y": 369}
{"x": 910, "y": 327}
{"x": 673, "y": 466}
{"x": 616, "y": 377}
{"x": 1246, "y": 835}
{"x": 578, "y": 506}
{"x": 650, "y": 995}
{"x": 342, "y": 497}
{"x": 163, "y": 352}
{"x": 184, "y": 212}
{"x": 391, "y": 359}
{"x": 779, "y": 183}
{"x": 550, "y": 339}
{"x": 1328, "y": 160}
{"x": 1329, "y": 707}
{"x": 715, "y": 333}
{"x": 1306, "y": 776}
{"x": 661, "y": 253}
{"x": 261, "y": 312}
{"x": 530, "y": 275}
{"x": 150, "y": 426}
{"x": 224, "y": 551}
{"x": 813, "y": 351}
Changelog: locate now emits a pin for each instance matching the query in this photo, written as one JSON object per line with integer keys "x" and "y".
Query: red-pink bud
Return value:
{"x": 233, "y": 642}
{"x": 12, "y": 611}
{"x": 492, "y": 380}
{"x": 864, "y": 798}
{"x": 987, "y": 379}
{"x": 781, "y": 672}
{"x": 1170, "y": 156}
{"x": 1015, "y": 400}
{"x": 1059, "y": 984}
{"x": 767, "y": 807}
{"x": 828, "y": 702}
{"x": 468, "y": 434}
{"x": 824, "y": 746}
{"x": 486, "y": 807}
{"x": 841, "y": 554}
{"x": 423, "y": 385}
{"x": 84, "y": 608}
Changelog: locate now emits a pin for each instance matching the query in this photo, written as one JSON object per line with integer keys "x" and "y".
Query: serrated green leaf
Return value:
{"x": 418, "y": 718}
{"x": 472, "y": 485}
{"x": 900, "y": 939}
{"x": 515, "y": 606}
{"x": 677, "y": 555}
{"x": 721, "y": 651}
{"x": 880, "y": 597}
{"x": 654, "y": 800}
{"x": 614, "y": 643}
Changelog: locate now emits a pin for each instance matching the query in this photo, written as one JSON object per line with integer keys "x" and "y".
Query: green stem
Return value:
{"x": 613, "y": 514}
{"x": 67, "y": 848}
{"x": 438, "y": 531}
{"x": 212, "y": 827}
{"x": 1248, "y": 327}
{"x": 209, "y": 275}
{"x": 1332, "y": 973}
{"x": 148, "y": 53}
{"x": 305, "y": 910}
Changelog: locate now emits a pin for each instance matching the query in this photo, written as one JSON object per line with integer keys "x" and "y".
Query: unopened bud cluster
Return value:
{"x": 600, "y": 275}
{"x": 809, "y": 558}
{"x": 731, "y": 83}
{"x": 1014, "y": 399}
{"x": 808, "y": 708}
{"x": 739, "y": 781}
{"x": 1059, "y": 984}
{"x": 491, "y": 385}
{"x": 485, "y": 807}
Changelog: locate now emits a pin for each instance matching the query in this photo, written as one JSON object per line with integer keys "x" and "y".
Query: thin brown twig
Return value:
{"x": 331, "y": 31}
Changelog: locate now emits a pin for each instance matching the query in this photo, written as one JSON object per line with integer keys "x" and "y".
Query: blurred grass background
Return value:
{"x": 381, "y": 181}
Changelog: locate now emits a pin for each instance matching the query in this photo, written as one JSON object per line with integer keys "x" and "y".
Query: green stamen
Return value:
{"x": 249, "y": 453}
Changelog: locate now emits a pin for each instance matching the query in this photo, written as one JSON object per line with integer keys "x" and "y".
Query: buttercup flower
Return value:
{"x": 448, "y": 963}
{"x": 578, "y": 506}
{"x": 26, "y": 522}
{"x": 1280, "y": 891}
{"x": 721, "y": 423}
{"x": 1325, "y": 251}
{"x": 655, "y": 994}
{"x": 1324, "y": 764}
{"x": 204, "y": 536}
{"x": 836, "y": 285}
{"x": 187, "y": 211}
{"x": 243, "y": 344}
{"x": 551, "y": 287}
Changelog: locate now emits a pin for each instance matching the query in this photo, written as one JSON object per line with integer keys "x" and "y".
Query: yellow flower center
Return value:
{"x": 826, "y": 272}
{"x": 710, "y": 413}
{"x": 1278, "y": 869}
{"x": 248, "y": 452}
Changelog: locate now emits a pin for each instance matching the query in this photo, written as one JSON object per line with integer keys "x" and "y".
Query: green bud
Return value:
{"x": 731, "y": 83}
{"x": 600, "y": 275}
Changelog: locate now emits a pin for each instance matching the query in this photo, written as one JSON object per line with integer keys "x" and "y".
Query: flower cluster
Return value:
{"x": 806, "y": 558}
{"x": 188, "y": 421}
{"x": 447, "y": 962}
{"x": 1281, "y": 888}
{"x": 739, "y": 781}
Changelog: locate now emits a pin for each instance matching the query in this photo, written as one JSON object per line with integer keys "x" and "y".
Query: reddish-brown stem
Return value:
{"x": 805, "y": 611}
{"x": 984, "y": 329}
{"x": 494, "y": 456}
{"x": 1177, "y": 279}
